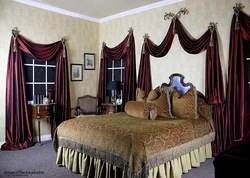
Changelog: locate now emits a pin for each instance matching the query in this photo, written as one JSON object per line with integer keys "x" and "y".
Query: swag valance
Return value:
{"x": 18, "y": 125}
{"x": 125, "y": 50}
{"x": 214, "y": 88}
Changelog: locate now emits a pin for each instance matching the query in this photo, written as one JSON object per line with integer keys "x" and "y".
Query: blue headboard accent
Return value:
{"x": 176, "y": 81}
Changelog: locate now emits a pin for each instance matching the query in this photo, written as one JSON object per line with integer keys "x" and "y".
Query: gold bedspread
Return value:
{"x": 133, "y": 144}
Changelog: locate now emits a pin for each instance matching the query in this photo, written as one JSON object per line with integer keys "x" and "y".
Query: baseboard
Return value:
{"x": 35, "y": 139}
{"x": 43, "y": 138}
{"x": 1, "y": 143}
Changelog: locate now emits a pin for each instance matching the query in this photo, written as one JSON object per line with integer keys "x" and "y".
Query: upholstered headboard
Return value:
{"x": 176, "y": 81}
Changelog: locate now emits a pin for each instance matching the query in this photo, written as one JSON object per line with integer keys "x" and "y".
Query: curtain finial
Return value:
{"x": 63, "y": 40}
{"x": 130, "y": 30}
{"x": 146, "y": 36}
{"x": 15, "y": 33}
{"x": 237, "y": 10}
{"x": 212, "y": 26}
{"x": 183, "y": 11}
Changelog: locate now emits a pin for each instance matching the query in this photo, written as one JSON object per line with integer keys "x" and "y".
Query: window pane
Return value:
{"x": 28, "y": 73}
{"x": 29, "y": 91}
{"x": 117, "y": 74}
{"x": 40, "y": 89}
{"x": 39, "y": 74}
{"x": 39, "y": 62}
{"x": 51, "y": 73}
{"x": 51, "y": 86}
{"x": 27, "y": 59}
{"x": 118, "y": 63}
{"x": 109, "y": 63}
{"x": 109, "y": 74}
{"x": 52, "y": 61}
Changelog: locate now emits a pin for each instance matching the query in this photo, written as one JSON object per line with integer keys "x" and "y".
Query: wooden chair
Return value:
{"x": 86, "y": 105}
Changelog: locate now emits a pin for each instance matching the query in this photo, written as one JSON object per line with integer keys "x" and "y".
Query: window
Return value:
{"x": 116, "y": 71}
{"x": 39, "y": 76}
{"x": 247, "y": 55}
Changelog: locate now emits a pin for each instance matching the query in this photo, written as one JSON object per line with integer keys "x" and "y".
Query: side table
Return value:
{"x": 108, "y": 108}
{"x": 43, "y": 111}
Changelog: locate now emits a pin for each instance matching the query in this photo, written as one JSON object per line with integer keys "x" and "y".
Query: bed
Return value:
{"x": 147, "y": 140}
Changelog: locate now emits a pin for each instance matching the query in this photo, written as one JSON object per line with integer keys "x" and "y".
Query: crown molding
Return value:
{"x": 57, "y": 10}
{"x": 105, "y": 19}
{"x": 139, "y": 9}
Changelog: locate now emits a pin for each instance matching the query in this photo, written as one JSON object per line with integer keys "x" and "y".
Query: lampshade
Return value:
{"x": 113, "y": 85}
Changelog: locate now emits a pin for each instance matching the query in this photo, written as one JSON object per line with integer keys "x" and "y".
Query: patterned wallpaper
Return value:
{"x": 45, "y": 27}
{"x": 177, "y": 60}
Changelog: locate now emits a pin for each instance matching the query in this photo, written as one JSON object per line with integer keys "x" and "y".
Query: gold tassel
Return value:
{"x": 15, "y": 33}
{"x": 174, "y": 29}
{"x": 63, "y": 40}
{"x": 64, "y": 51}
{"x": 237, "y": 9}
{"x": 15, "y": 45}
{"x": 212, "y": 26}
{"x": 143, "y": 48}
{"x": 211, "y": 43}
{"x": 237, "y": 23}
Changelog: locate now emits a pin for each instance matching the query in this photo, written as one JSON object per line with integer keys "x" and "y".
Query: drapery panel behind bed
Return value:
{"x": 214, "y": 81}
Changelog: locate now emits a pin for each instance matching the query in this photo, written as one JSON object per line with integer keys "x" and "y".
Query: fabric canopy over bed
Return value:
{"x": 130, "y": 145}
{"x": 214, "y": 87}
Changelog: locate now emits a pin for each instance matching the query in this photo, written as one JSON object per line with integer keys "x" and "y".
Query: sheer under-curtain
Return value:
{"x": 125, "y": 50}
{"x": 18, "y": 123}
{"x": 237, "y": 121}
{"x": 214, "y": 80}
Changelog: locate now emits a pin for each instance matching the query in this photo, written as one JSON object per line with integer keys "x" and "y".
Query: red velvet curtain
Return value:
{"x": 214, "y": 80}
{"x": 18, "y": 123}
{"x": 125, "y": 50}
{"x": 238, "y": 101}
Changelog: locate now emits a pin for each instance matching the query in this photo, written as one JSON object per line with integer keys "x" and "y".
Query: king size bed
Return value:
{"x": 163, "y": 134}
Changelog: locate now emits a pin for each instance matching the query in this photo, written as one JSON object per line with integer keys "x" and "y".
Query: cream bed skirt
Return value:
{"x": 92, "y": 167}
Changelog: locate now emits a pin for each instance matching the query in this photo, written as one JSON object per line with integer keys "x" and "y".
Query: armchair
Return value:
{"x": 86, "y": 105}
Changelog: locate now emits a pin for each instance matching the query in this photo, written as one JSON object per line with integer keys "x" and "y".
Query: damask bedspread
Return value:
{"x": 133, "y": 144}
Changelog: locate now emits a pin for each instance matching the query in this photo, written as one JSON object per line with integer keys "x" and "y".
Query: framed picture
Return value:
{"x": 76, "y": 72}
{"x": 89, "y": 61}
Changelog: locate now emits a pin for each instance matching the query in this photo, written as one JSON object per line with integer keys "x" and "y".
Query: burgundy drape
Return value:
{"x": 125, "y": 50}
{"x": 214, "y": 81}
{"x": 238, "y": 100}
{"x": 18, "y": 123}
{"x": 149, "y": 48}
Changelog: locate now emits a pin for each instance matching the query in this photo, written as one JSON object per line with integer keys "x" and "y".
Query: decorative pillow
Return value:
{"x": 184, "y": 106}
{"x": 141, "y": 95}
{"x": 205, "y": 110}
{"x": 162, "y": 103}
{"x": 141, "y": 109}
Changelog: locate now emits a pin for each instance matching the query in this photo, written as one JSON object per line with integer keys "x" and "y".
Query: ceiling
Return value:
{"x": 97, "y": 10}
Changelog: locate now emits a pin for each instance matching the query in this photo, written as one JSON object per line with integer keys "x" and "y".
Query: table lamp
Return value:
{"x": 113, "y": 85}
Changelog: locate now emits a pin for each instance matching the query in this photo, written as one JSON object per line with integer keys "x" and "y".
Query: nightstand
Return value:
{"x": 110, "y": 108}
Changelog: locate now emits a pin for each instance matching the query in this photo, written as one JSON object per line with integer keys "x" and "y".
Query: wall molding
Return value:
{"x": 139, "y": 9}
{"x": 105, "y": 19}
{"x": 46, "y": 137}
